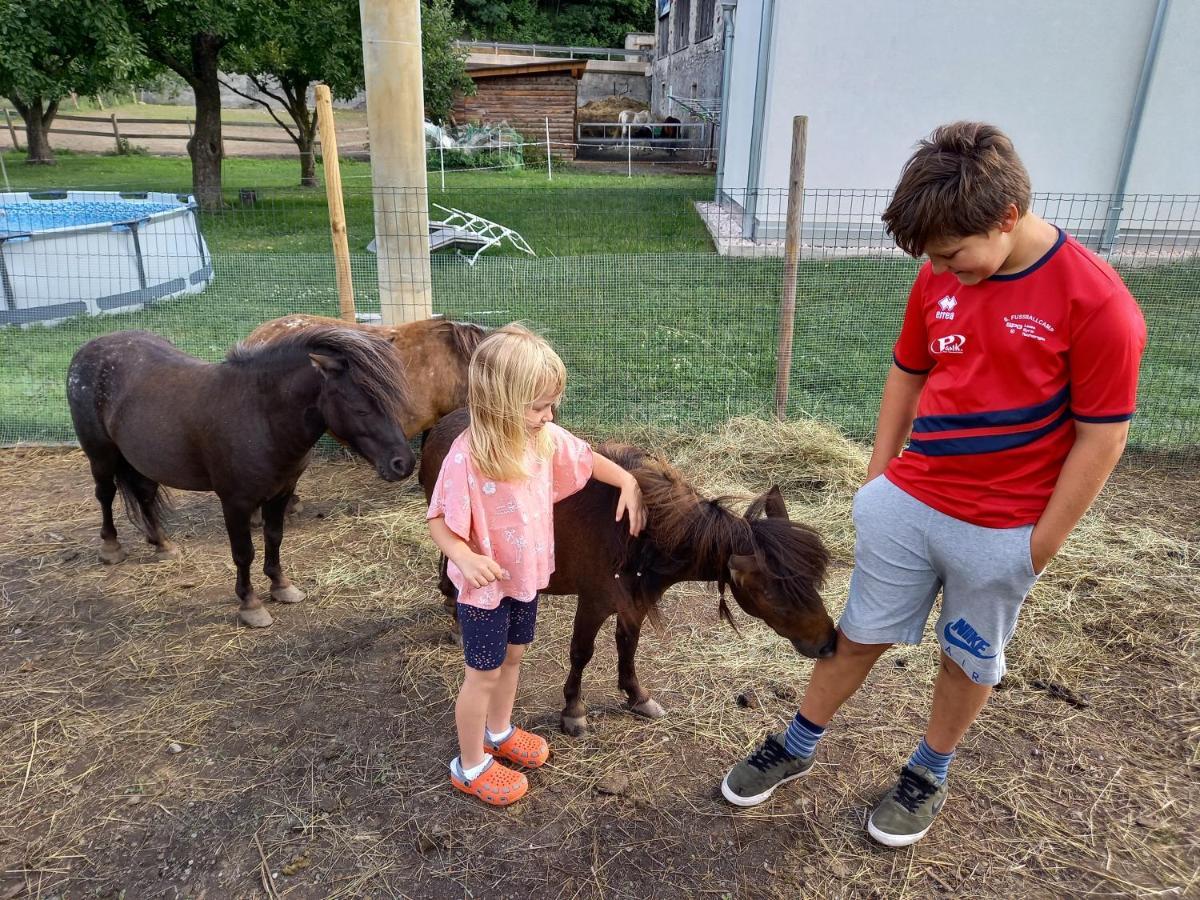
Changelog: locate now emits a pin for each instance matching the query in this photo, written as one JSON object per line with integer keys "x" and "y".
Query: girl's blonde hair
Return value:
{"x": 509, "y": 371}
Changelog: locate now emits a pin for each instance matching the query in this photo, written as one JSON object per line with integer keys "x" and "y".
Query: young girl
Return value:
{"x": 492, "y": 515}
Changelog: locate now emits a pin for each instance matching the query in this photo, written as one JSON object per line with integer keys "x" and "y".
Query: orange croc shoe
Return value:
{"x": 496, "y": 785}
{"x": 520, "y": 747}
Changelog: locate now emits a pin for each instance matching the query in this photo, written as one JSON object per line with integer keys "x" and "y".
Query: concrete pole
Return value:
{"x": 391, "y": 35}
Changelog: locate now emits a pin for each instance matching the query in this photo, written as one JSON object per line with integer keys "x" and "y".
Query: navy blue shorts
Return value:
{"x": 486, "y": 633}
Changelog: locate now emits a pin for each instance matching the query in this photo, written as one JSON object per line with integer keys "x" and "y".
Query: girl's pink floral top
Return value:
{"x": 510, "y": 521}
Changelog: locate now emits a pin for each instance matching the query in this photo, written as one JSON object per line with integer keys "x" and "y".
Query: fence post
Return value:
{"x": 116, "y": 132}
{"x": 628, "y": 151}
{"x": 442, "y": 164}
{"x": 337, "y": 210}
{"x": 549, "y": 171}
{"x": 11, "y": 129}
{"x": 189, "y": 125}
{"x": 791, "y": 258}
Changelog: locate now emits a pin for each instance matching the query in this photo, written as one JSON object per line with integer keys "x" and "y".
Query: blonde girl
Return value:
{"x": 492, "y": 515}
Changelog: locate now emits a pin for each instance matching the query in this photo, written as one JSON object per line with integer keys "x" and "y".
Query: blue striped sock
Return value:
{"x": 938, "y": 764}
{"x": 802, "y": 736}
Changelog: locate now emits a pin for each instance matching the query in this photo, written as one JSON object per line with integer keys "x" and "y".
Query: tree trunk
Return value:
{"x": 295, "y": 91}
{"x": 38, "y": 116}
{"x": 308, "y": 159}
{"x": 205, "y": 146}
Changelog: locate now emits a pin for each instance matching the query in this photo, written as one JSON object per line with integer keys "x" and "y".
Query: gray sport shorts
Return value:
{"x": 905, "y": 552}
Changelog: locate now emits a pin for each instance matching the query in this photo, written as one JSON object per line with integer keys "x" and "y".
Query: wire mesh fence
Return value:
{"x": 662, "y": 301}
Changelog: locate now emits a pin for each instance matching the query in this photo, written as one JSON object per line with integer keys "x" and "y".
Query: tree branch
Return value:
{"x": 262, "y": 103}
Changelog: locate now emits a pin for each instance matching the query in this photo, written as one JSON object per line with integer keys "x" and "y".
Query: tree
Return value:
{"x": 599, "y": 23}
{"x": 295, "y": 43}
{"x": 54, "y": 47}
{"x": 188, "y": 36}
{"x": 444, "y": 64}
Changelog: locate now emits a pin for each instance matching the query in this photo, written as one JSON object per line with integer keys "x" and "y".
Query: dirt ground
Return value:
{"x": 149, "y": 747}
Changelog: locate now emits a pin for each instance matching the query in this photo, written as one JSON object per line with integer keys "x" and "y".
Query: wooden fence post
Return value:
{"x": 337, "y": 210}
{"x": 116, "y": 132}
{"x": 791, "y": 259}
{"x": 11, "y": 130}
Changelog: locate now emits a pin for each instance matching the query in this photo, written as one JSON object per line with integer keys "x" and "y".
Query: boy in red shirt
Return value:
{"x": 1014, "y": 383}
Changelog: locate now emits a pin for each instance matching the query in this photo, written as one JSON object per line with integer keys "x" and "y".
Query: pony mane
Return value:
{"x": 463, "y": 337}
{"x": 689, "y": 531}
{"x": 371, "y": 361}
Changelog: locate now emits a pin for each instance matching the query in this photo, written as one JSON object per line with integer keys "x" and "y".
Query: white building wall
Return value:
{"x": 1167, "y": 158}
{"x": 876, "y": 75}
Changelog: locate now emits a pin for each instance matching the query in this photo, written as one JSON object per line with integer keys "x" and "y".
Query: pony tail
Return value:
{"x": 158, "y": 503}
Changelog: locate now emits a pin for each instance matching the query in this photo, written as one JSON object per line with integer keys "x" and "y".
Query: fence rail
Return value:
{"x": 570, "y": 52}
{"x": 177, "y": 130}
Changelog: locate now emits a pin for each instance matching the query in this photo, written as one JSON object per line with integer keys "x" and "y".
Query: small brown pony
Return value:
{"x": 773, "y": 567}
{"x": 435, "y": 353}
{"x": 147, "y": 414}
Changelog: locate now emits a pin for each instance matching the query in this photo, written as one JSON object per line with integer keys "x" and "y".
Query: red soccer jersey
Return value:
{"x": 1012, "y": 362}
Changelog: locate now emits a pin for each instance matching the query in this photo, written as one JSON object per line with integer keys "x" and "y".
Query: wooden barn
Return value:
{"x": 525, "y": 96}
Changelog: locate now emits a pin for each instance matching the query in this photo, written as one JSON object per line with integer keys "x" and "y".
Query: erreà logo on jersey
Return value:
{"x": 946, "y": 307}
{"x": 951, "y": 343}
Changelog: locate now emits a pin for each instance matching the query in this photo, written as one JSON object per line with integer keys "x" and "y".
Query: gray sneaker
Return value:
{"x": 907, "y": 812}
{"x": 755, "y": 778}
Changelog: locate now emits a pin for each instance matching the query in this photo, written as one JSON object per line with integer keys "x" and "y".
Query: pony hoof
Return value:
{"x": 255, "y": 617}
{"x": 110, "y": 556}
{"x": 289, "y": 594}
{"x": 575, "y": 726}
{"x": 648, "y": 708}
{"x": 166, "y": 552}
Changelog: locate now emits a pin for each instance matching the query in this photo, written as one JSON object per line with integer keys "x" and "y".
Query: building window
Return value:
{"x": 705, "y": 16}
{"x": 681, "y": 16}
{"x": 664, "y": 34}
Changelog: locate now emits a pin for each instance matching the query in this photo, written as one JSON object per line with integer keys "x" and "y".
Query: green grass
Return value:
{"x": 576, "y": 213}
{"x": 652, "y": 324}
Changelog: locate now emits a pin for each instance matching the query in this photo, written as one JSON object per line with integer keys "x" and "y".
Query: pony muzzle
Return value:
{"x": 812, "y": 651}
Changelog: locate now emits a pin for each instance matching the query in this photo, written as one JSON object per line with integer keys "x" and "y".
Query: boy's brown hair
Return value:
{"x": 958, "y": 183}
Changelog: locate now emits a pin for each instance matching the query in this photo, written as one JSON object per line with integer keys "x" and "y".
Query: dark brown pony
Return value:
{"x": 435, "y": 353}
{"x": 773, "y": 567}
{"x": 147, "y": 414}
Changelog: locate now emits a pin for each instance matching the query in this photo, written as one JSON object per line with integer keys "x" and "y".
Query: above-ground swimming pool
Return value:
{"x": 93, "y": 252}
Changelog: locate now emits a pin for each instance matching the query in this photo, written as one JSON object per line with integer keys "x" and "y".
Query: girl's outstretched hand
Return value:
{"x": 630, "y": 502}
{"x": 479, "y": 570}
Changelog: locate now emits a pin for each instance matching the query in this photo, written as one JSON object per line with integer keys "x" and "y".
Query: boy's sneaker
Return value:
{"x": 907, "y": 812}
{"x": 755, "y": 778}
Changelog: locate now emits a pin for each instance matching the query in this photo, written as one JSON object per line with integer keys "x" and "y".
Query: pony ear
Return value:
{"x": 774, "y": 505}
{"x": 326, "y": 365}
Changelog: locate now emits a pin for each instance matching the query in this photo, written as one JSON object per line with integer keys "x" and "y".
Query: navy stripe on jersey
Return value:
{"x": 1062, "y": 239}
{"x": 1022, "y": 415}
{"x": 986, "y": 443}
{"x": 905, "y": 368}
{"x": 1123, "y": 417}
